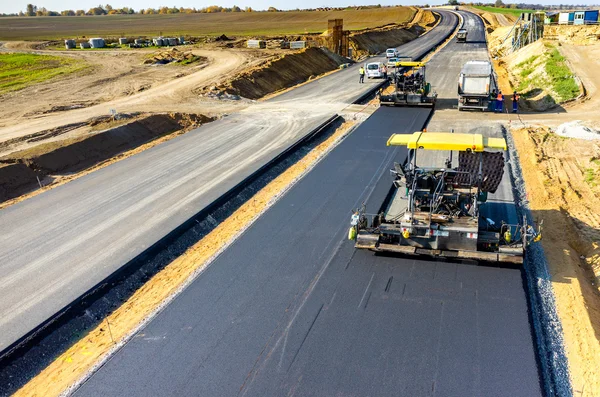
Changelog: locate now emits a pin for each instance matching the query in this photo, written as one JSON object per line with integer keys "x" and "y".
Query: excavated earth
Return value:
{"x": 22, "y": 171}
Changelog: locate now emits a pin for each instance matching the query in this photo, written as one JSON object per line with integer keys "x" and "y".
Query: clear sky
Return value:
{"x": 12, "y": 6}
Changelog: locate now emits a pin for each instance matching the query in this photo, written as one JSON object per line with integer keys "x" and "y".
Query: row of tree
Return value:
{"x": 35, "y": 11}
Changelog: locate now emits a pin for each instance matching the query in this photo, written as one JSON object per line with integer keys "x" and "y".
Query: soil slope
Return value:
{"x": 282, "y": 73}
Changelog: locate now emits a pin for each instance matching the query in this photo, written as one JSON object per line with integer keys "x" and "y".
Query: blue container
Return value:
{"x": 591, "y": 17}
{"x": 571, "y": 17}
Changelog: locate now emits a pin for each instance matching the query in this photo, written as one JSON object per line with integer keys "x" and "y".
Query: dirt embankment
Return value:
{"x": 542, "y": 75}
{"x": 562, "y": 178}
{"x": 573, "y": 34}
{"x": 19, "y": 171}
{"x": 283, "y": 72}
{"x": 377, "y": 41}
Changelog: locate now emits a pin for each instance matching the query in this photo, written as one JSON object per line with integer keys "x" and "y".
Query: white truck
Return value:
{"x": 475, "y": 85}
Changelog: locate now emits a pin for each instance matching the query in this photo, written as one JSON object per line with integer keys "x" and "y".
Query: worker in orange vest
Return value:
{"x": 499, "y": 102}
{"x": 515, "y": 102}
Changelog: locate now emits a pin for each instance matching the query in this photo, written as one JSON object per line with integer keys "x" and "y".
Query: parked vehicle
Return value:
{"x": 391, "y": 53}
{"x": 374, "y": 70}
{"x": 475, "y": 84}
{"x": 391, "y": 63}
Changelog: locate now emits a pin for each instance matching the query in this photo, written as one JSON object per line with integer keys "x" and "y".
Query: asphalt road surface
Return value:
{"x": 56, "y": 246}
{"x": 291, "y": 308}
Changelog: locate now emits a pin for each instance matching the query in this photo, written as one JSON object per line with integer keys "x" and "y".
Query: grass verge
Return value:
{"x": 561, "y": 77}
{"x": 505, "y": 11}
{"x": 549, "y": 73}
{"x": 18, "y": 71}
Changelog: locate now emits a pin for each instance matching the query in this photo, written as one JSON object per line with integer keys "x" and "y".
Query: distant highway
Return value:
{"x": 57, "y": 245}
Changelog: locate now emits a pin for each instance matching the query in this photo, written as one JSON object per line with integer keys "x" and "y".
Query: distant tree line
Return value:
{"x": 34, "y": 11}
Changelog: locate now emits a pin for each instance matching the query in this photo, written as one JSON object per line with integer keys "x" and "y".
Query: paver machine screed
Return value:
{"x": 410, "y": 86}
{"x": 435, "y": 211}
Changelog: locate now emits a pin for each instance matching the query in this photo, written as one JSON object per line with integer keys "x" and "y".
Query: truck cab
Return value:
{"x": 461, "y": 36}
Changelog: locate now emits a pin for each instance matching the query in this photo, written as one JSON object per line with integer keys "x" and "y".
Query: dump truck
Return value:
{"x": 410, "y": 87}
{"x": 436, "y": 211}
{"x": 475, "y": 85}
{"x": 461, "y": 36}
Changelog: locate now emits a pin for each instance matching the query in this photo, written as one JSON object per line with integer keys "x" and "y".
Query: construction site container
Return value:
{"x": 70, "y": 44}
{"x": 140, "y": 41}
{"x": 571, "y": 18}
{"x": 591, "y": 17}
{"x": 97, "y": 43}
{"x": 123, "y": 41}
{"x": 84, "y": 45}
{"x": 257, "y": 44}
{"x": 563, "y": 18}
{"x": 172, "y": 41}
{"x": 578, "y": 17}
{"x": 158, "y": 42}
{"x": 182, "y": 40}
{"x": 296, "y": 45}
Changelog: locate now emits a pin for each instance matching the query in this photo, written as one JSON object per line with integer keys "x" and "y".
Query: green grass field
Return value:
{"x": 506, "y": 11}
{"x": 234, "y": 24}
{"x": 561, "y": 76}
{"x": 558, "y": 76}
{"x": 18, "y": 71}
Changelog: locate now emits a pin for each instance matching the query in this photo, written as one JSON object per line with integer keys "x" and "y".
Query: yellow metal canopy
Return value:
{"x": 446, "y": 141}
{"x": 410, "y": 64}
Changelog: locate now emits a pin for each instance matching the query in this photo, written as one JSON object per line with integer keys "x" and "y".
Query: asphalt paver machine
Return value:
{"x": 435, "y": 211}
{"x": 410, "y": 86}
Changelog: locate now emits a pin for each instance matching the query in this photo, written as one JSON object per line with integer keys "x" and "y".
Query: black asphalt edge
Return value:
{"x": 547, "y": 327}
{"x": 100, "y": 288}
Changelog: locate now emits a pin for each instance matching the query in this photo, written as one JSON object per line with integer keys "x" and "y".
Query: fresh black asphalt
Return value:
{"x": 291, "y": 308}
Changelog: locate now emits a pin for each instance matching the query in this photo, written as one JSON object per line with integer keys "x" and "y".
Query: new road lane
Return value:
{"x": 291, "y": 308}
{"x": 56, "y": 246}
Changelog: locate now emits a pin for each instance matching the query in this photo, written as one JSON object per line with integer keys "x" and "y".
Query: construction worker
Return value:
{"x": 499, "y": 102}
{"x": 384, "y": 71}
{"x": 515, "y": 102}
{"x": 361, "y": 72}
{"x": 492, "y": 104}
